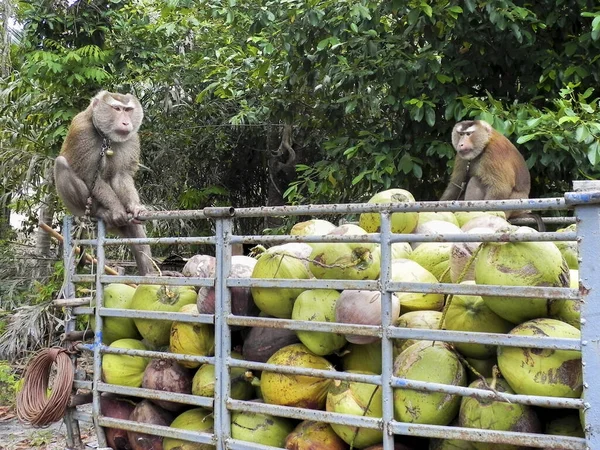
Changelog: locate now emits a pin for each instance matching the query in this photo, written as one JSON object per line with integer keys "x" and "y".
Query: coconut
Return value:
{"x": 400, "y": 222}
{"x": 242, "y": 303}
{"x": 116, "y": 408}
{"x": 470, "y": 313}
{"x": 167, "y": 375}
{"x": 318, "y": 305}
{"x": 362, "y": 357}
{"x": 197, "y": 419}
{"x": 465, "y": 216}
{"x": 401, "y": 250}
{"x": 409, "y": 271}
{"x": 446, "y": 216}
{"x": 345, "y": 260}
{"x": 547, "y": 372}
{"x": 203, "y": 383}
{"x": 434, "y": 363}
{"x": 520, "y": 264}
{"x": 462, "y": 252}
{"x": 451, "y": 444}
{"x": 564, "y": 423}
{"x": 148, "y": 413}
{"x": 435, "y": 257}
{"x": 433, "y": 227}
{"x": 310, "y": 435}
{"x": 429, "y": 320}
{"x": 569, "y": 249}
{"x": 196, "y": 339}
{"x": 118, "y": 296}
{"x": 362, "y": 308}
{"x": 485, "y": 367}
{"x": 296, "y": 390}
{"x": 568, "y": 311}
{"x": 124, "y": 370}
{"x": 261, "y": 342}
{"x": 312, "y": 227}
{"x": 279, "y": 263}
{"x": 487, "y": 221}
{"x": 150, "y": 297}
{"x": 263, "y": 429}
{"x": 357, "y": 399}
{"x": 496, "y": 415}
{"x": 201, "y": 266}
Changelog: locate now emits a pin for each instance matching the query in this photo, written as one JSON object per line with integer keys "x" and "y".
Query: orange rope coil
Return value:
{"x": 33, "y": 405}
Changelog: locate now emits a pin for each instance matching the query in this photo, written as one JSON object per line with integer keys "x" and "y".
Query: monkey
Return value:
{"x": 94, "y": 171}
{"x": 488, "y": 167}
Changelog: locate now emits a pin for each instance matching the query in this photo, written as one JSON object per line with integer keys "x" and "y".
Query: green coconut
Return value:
{"x": 569, "y": 249}
{"x": 203, "y": 383}
{"x": 520, "y": 264}
{"x": 568, "y": 311}
{"x": 124, "y": 370}
{"x": 197, "y": 339}
{"x": 484, "y": 367}
{"x": 496, "y": 415}
{"x": 470, "y": 313}
{"x": 149, "y": 297}
{"x": 263, "y": 429}
{"x": 345, "y": 260}
{"x": 464, "y": 216}
{"x": 564, "y": 423}
{"x": 435, "y": 227}
{"x": 362, "y": 357}
{"x": 295, "y": 390}
{"x": 435, "y": 257}
{"x": 409, "y": 271}
{"x": 401, "y": 250}
{"x": 357, "y": 399}
{"x": 547, "y": 372}
{"x": 446, "y": 216}
{"x": 197, "y": 419}
{"x": 318, "y": 305}
{"x": 400, "y": 222}
{"x": 429, "y": 320}
{"x": 433, "y": 363}
{"x": 312, "y": 227}
{"x": 310, "y": 435}
{"x": 277, "y": 262}
{"x": 118, "y": 296}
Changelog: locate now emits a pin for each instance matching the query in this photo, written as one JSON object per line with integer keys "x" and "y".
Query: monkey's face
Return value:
{"x": 469, "y": 139}
{"x": 117, "y": 116}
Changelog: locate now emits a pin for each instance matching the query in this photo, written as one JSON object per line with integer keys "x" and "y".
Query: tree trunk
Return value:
{"x": 43, "y": 257}
{"x": 282, "y": 163}
{"x": 5, "y": 14}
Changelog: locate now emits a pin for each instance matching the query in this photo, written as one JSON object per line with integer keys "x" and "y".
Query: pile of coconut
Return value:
{"x": 527, "y": 371}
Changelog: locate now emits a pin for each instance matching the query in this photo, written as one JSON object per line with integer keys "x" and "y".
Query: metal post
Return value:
{"x": 98, "y": 335}
{"x": 387, "y": 363}
{"x": 222, "y": 424}
{"x": 73, "y": 433}
{"x": 587, "y": 211}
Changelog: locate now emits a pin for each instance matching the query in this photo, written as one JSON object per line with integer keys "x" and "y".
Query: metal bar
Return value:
{"x": 387, "y": 348}
{"x": 187, "y": 399}
{"x": 146, "y": 353}
{"x": 168, "y": 281}
{"x": 99, "y": 322}
{"x": 223, "y": 228}
{"x": 588, "y": 230}
{"x": 160, "y": 315}
{"x": 73, "y": 438}
{"x": 156, "y": 430}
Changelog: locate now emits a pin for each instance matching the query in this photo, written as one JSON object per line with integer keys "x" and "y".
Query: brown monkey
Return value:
{"x": 94, "y": 171}
{"x": 487, "y": 167}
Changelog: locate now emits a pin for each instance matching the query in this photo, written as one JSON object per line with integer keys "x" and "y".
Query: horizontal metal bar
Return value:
{"x": 168, "y": 281}
{"x": 82, "y": 416}
{"x": 82, "y": 384}
{"x": 582, "y": 198}
{"x": 492, "y": 436}
{"x": 83, "y": 311}
{"x": 71, "y": 302}
{"x": 472, "y": 337}
{"x": 313, "y": 283}
{"x": 547, "y": 220}
{"x": 534, "y": 400}
{"x": 158, "y": 315}
{"x": 305, "y": 414}
{"x": 196, "y": 240}
{"x": 156, "y": 430}
{"x": 82, "y": 278}
{"x": 148, "y": 354}
{"x": 151, "y": 394}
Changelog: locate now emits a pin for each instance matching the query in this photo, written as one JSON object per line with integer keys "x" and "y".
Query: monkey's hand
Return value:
{"x": 135, "y": 210}
{"x": 115, "y": 217}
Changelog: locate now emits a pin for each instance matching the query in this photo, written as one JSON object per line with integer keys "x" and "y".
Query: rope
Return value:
{"x": 33, "y": 405}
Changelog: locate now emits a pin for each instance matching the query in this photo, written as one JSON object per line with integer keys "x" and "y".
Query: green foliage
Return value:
{"x": 8, "y": 384}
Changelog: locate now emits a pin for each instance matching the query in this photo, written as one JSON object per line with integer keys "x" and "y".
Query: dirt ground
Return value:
{"x": 17, "y": 436}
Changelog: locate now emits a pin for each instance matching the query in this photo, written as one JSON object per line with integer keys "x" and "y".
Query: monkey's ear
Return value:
{"x": 486, "y": 125}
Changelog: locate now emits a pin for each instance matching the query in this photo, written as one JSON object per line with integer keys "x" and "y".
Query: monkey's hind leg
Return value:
{"x": 71, "y": 189}
{"x": 141, "y": 253}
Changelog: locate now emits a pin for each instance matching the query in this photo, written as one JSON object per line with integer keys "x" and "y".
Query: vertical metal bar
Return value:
{"x": 588, "y": 236}
{"x": 223, "y": 252}
{"x": 73, "y": 439}
{"x": 387, "y": 363}
{"x": 98, "y": 335}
